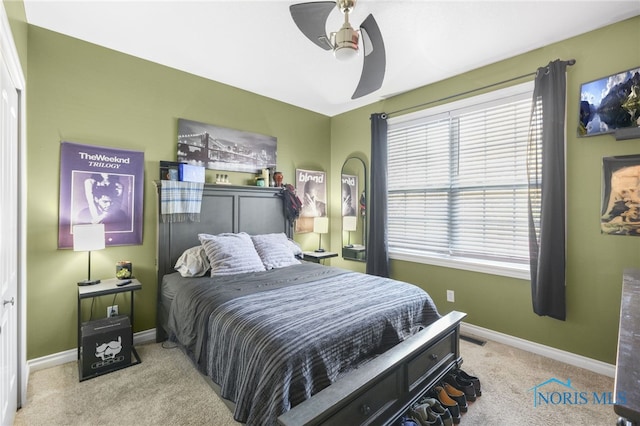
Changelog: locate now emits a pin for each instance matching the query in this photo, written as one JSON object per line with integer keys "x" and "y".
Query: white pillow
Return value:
{"x": 231, "y": 253}
{"x": 274, "y": 250}
{"x": 295, "y": 248}
{"x": 193, "y": 262}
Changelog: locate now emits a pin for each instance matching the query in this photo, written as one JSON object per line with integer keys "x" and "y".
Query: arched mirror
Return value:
{"x": 354, "y": 212}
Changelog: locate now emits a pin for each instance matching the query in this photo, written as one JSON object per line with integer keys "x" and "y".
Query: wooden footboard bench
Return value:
{"x": 383, "y": 389}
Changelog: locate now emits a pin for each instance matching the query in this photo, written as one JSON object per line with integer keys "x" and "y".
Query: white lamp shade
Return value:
{"x": 88, "y": 237}
{"x": 321, "y": 225}
{"x": 349, "y": 223}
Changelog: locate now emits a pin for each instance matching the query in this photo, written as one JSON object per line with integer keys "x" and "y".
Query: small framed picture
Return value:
{"x": 311, "y": 188}
{"x": 620, "y": 213}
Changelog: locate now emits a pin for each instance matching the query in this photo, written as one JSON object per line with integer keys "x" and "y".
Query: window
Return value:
{"x": 458, "y": 186}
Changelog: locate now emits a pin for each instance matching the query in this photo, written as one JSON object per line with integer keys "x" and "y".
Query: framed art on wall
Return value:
{"x": 221, "y": 148}
{"x": 312, "y": 190}
{"x": 101, "y": 185}
{"x": 610, "y": 103}
{"x": 620, "y": 213}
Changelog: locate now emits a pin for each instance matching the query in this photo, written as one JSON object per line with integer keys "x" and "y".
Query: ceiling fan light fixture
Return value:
{"x": 312, "y": 19}
{"x": 345, "y": 43}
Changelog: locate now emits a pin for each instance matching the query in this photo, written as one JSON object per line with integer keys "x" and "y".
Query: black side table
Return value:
{"x": 104, "y": 288}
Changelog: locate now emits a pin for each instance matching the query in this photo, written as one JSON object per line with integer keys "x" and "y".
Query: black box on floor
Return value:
{"x": 106, "y": 345}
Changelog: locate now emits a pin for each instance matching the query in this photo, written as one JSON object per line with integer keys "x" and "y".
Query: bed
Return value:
{"x": 301, "y": 343}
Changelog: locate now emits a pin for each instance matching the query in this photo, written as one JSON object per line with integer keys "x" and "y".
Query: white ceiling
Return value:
{"x": 255, "y": 45}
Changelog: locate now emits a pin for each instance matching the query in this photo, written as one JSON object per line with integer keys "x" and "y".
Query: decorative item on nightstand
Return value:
{"x": 124, "y": 270}
{"x": 320, "y": 226}
{"x": 88, "y": 238}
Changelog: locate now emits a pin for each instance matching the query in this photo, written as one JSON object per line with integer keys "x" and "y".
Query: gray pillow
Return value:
{"x": 231, "y": 253}
{"x": 274, "y": 250}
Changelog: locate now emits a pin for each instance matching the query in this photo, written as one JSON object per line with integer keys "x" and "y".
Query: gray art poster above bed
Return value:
{"x": 221, "y": 148}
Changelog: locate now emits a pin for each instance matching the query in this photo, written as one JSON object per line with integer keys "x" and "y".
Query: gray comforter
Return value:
{"x": 273, "y": 339}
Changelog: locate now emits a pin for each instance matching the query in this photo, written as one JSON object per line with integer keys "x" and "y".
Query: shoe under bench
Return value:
{"x": 382, "y": 390}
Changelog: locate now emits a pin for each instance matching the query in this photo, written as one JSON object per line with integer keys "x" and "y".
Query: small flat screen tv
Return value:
{"x": 610, "y": 103}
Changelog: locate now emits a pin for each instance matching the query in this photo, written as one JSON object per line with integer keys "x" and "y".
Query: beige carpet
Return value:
{"x": 166, "y": 390}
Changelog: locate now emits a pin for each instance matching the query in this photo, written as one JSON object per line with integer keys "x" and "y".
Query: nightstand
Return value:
{"x": 317, "y": 256}
{"x": 108, "y": 360}
{"x": 354, "y": 252}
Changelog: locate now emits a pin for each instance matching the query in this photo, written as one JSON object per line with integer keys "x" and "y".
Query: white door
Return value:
{"x": 8, "y": 246}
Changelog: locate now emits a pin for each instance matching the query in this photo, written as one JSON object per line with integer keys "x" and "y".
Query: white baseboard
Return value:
{"x": 536, "y": 348}
{"x": 466, "y": 329}
{"x": 71, "y": 355}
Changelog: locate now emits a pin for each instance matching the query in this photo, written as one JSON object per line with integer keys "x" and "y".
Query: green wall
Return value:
{"x": 87, "y": 94}
{"x": 19, "y": 28}
{"x": 84, "y": 93}
{"x": 594, "y": 261}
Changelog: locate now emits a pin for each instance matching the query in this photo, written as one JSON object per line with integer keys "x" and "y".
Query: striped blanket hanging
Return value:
{"x": 180, "y": 201}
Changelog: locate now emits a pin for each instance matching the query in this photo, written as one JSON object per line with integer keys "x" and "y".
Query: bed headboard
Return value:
{"x": 254, "y": 210}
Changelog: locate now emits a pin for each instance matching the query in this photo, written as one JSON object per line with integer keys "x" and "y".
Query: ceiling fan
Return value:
{"x": 311, "y": 18}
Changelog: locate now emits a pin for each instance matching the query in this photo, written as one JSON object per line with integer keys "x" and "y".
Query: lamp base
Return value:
{"x": 88, "y": 282}
{"x": 320, "y": 250}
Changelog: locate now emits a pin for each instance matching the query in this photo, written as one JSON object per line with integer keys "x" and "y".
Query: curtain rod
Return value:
{"x": 569, "y": 62}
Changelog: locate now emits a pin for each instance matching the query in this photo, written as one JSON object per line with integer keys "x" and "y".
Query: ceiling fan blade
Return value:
{"x": 375, "y": 59}
{"x": 311, "y": 18}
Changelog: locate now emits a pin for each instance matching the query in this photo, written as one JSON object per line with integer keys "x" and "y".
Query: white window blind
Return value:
{"x": 458, "y": 180}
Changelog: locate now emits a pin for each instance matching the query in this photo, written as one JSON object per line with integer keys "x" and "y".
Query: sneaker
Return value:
{"x": 406, "y": 421}
{"x": 463, "y": 385}
{"x": 445, "y": 400}
{"x": 439, "y": 410}
{"x": 473, "y": 379}
{"x": 424, "y": 414}
{"x": 457, "y": 395}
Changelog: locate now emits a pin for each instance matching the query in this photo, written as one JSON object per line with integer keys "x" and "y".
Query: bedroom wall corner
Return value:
{"x": 19, "y": 29}
{"x": 88, "y": 94}
{"x": 594, "y": 261}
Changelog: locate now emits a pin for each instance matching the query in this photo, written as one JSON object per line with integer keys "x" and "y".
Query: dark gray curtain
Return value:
{"x": 547, "y": 192}
{"x": 377, "y": 248}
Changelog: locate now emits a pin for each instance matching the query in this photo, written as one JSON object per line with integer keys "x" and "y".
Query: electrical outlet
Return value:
{"x": 112, "y": 311}
{"x": 451, "y": 297}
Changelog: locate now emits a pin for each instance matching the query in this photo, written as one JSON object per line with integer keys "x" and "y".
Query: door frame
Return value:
{"x": 10, "y": 54}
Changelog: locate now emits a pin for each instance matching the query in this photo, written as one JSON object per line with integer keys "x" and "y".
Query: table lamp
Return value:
{"x": 349, "y": 224}
{"x": 88, "y": 238}
{"x": 320, "y": 226}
